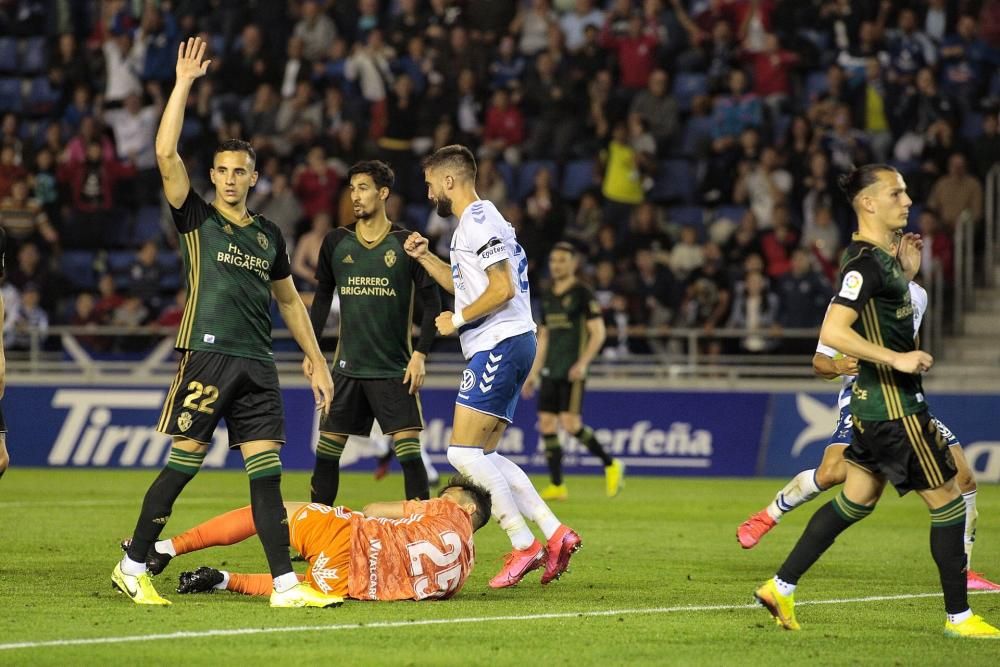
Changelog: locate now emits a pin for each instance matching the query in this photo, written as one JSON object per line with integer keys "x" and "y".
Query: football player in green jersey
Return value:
{"x": 569, "y": 337}
{"x": 894, "y": 439}
{"x": 234, "y": 261}
{"x": 376, "y": 369}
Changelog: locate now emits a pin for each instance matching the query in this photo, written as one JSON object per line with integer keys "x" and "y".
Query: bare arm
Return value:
{"x": 293, "y": 311}
{"x": 535, "y": 374}
{"x": 829, "y": 368}
{"x": 499, "y": 291}
{"x": 838, "y": 334}
{"x": 597, "y": 333}
{"x": 190, "y": 66}
{"x": 385, "y": 510}
{"x": 416, "y": 247}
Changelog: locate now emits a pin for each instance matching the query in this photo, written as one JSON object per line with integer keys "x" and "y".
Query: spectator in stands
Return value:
{"x": 707, "y": 299}
{"x": 574, "y": 22}
{"x": 655, "y": 296}
{"x": 130, "y": 314}
{"x": 91, "y": 183}
{"x": 644, "y": 146}
{"x": 736, "y": 111}
{"x": 610, "y": 294}
{"x": 77, "y": 65}
{"x": 909, "y": 49}
{"x": 44, "y": 185}
{"x": 508, "y": 65}
{"x": 243, "y": 70}
{"x": 986, "y": 148}
{"x": 531, "y": 25}
{"x": 157, "y": 38}
{"x": 772, "y": 66}
{"x": 146, "y": 275}
{"x": 503, "y": 131}
{"x": 108, "y": 298}
{"x": 85, "y": 315}
{"x": 583, "y": 225}
{"x": 779, "y": 242}
{"x": 24, "y": 219}
{"x": 298, "y": 109}
{"x": 845, "y": 145}
{"x": 407, "y": 22}
{"x": 80, "y": 105}
{"x": 635, "y": 51}
{"x": 938, "y": 249}
{"x": 646, "y": 231}
{"x": 368, "y": 65}
{"x": 821, "y": 236}
{"x": 755, "y": 308}
{"x": 490, "y": 184}
{"x": 545, "y": 210}
{"x": 762, "y": 186}
{"x": 11, "y": 170}
{"x": 122, "y": 66}
{"x": 658, "y": 109}
{"x": 554, "y": 105}
{"x": 687, "y": 255}
{"x": 316, "y": 184}
{"x": 29, "y": 269}
{"x": 622, "y": 186}
{"x": 956, "y": 192}
{"x": 134, "y": 127}
{"x": 172, "y": 315}
{"x": 76, "y": 148}
{"x": 745, "y": 241}
{"x": 296, "y": 67}
{"x": 920, "y": 106}
{"x": 25, "y": 318}
{"x": 468, "y": 109}
{"x": 262, "y": 120}
{"x": 966, "y": 62}
{"x": 306, "y": 257}
{"x": 804, "y": 294}
{"x": 872, "y": 106}
{"x": 279, "y": 205}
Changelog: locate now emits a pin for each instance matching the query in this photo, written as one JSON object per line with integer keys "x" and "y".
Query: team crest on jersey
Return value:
{"x": 262, "y": 240}
{"x": 390, "y": 257}
{"x": 184, "y": 421}
{"x": 227, "y": 228}
{"x": 567, "y": 301}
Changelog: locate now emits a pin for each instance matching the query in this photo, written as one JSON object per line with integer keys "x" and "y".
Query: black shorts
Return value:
{"x": 560, "y": 396}
{"x": 358, "y": 402}
{"x": 210, "y": 386}
{"x": 911, "y": 452}
{"x": 3, "y": 422}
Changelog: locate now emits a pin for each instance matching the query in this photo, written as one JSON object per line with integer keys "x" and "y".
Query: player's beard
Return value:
{"x": 444, "y": 208}
{"x": 361, "y": 213}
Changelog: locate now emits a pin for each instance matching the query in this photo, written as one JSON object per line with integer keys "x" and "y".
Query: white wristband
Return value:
{"x": 457, "y": 320}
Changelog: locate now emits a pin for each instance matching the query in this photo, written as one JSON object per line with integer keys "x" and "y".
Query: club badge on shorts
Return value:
{"x": 184, "y": 421}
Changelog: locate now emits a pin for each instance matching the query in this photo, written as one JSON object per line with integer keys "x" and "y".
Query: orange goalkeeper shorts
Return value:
{"x": 322, "y": 534}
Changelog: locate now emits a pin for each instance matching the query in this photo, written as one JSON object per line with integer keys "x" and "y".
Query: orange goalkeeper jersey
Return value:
{"x": 427, "y": 554}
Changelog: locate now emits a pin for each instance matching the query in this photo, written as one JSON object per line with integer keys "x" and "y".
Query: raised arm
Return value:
{"x": 190, "y": 66}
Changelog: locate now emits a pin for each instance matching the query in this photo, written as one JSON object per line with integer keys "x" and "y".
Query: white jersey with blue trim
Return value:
{"x": 918, "y": 297}
{"x": 483, "y": 238}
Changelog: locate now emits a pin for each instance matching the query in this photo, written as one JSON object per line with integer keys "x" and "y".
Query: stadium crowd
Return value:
{"x": 690, "y": 148}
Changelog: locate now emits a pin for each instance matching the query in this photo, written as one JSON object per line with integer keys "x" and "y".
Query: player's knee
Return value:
{"x": 831, "y": 475}
{"x": 4, "y": 462}
{"x": 571, "y": 423}
{"x": 461, "y": 457}
{"x": 548, "y": 423}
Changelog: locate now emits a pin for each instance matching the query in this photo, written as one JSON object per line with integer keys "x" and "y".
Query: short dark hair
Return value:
{"x": 380, "y": 172}
{"x": 478, "y": 494}
{"x": 565, "y": 246}
{"x": 859, "y": 178}
{"x": 455, "y": 156}
{"x": 237, "y": 146}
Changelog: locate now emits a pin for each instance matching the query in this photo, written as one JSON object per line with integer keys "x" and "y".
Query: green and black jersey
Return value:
{"x": 229, "y": 269}
{"x": 874, "y": 286}
{"x": 377, "y": 283}
{"x": 565, "y": 317}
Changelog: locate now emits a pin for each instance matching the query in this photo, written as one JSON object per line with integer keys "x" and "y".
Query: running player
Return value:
{"x": 488, "y": 276}
{"x": 893, "y": 435}
{"x": 570, "y": 336}
{"x": 376, "y": 370}
{"x": 412, "y": 550}
{"x": 234, "y": 260}
{"x": 830, "y": 364}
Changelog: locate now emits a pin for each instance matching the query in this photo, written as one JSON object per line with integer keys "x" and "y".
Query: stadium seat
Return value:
{"x": 508, "y": 174}
{"x": 816, "y": 84}
{"x": 8, "y": 54}
{"x": 686, "y": 215}
{"x": 696, "y": 135}
{"x": 147, "y": 225}
{"x": 688, "y": 85}
{"x": 119, "y": 261}
{"x": 578, "y": 176}
{"x": 526, "y": 177}
{"x": 34, "y": 58}
{"x": 734, "y": 213}
{"x": 78, "y": 267}
{"x": 42, "y": 97}
{"x": 10, "y": 95}
{"x": 675, "y": 182}
{"x": 972, "y": 126}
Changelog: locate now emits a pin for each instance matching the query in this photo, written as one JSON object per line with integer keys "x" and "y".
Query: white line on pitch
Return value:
{"x": 439, "y": 621}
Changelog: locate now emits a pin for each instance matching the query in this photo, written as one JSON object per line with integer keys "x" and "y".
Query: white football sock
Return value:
{"x": 165, "y": 547}
{"x": 132, "y": 568}
{"x": 797, "y": 492}
{"x": 471, "y": 462}
{"x": 971, "y": 517}
{"x": 286, "y": 581}
{"x": 959, "y": 617}
{"x": 432, "y": 474}
{"x": 222, "y": 585}
{"x": 528, "y": 501}
{"x": 784, "y": 587}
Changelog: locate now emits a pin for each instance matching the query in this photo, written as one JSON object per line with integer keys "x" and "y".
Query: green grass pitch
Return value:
{"x": 663, "y": 545}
